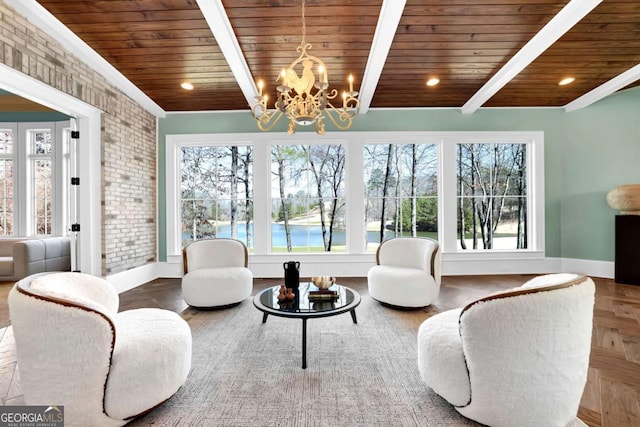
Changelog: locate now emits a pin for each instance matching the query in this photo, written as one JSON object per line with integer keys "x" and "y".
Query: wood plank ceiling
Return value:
{"x": 157, "y": 44}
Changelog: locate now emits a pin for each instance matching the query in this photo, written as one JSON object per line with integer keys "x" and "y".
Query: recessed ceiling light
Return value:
{"x": 433, "y": 81}
{"x": 566, "y": 81}
{"x": 186, "y": 86}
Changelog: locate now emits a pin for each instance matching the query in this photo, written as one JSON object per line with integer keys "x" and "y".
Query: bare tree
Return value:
{"x": 326, "y": 164}
{"x": 385, "y": 193}
{"x": 461, "y": 212}
{"x": 488, "y": 175}
{"x": 234, "y": 192}
{"x": 279, "y": 155}
{"x": 247, "y": 161}
{"x": 412, "y": 190}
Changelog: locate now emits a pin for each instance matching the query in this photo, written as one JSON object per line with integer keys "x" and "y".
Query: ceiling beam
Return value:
{"x": 570, "y": 15}
{"x": 218, "y": 21}
{"x": 605, "y": 89}
{"x": 41, "y": 18}
{"x": 390, "y": 14}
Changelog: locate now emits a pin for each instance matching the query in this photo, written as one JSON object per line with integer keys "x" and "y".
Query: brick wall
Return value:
{"x": 128, "y": 149}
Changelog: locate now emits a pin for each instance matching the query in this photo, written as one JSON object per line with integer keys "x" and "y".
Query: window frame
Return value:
{"x": 23, "y": 206}
{"x": 353, "y": 143}
{"x": 13, "y": 127}
{"x": 272, "y": 196}
{"x": 534, "y": 142}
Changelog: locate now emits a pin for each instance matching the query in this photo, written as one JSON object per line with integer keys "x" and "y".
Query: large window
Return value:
{"x": 40, "y": 151}
{"x": 480, "y": 194}
{"x": 6, "y": 180}
{"x": 308, "y": 198}
{"x": 34, "y": 165}
{"x": 216, "y": 193}
{"x": 492, "y": 196}
{"x": 401, "y": 191}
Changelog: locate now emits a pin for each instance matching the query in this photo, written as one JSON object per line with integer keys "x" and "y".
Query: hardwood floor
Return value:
{"x": 611, "y": 396}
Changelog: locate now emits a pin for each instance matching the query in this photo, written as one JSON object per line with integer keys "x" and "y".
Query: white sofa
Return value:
{"x": 75, "y": 349}
{"x": 514, "y": 358}
{"x": 22, "y": 256}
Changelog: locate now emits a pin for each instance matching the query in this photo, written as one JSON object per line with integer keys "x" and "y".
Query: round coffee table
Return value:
{"x": 303, "y": 308}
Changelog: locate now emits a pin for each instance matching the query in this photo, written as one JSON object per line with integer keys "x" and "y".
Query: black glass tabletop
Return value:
{"x": 305, "y": 304}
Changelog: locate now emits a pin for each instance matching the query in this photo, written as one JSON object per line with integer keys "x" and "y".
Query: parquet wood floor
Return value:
{"x": 611, "y": 396}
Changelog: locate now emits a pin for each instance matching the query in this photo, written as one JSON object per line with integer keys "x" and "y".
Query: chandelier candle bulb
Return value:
{"x": 351, "y": 83}
{"x": 323, "y": 74}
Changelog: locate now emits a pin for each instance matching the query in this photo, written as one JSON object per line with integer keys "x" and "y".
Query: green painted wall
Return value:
{"x": 601, "y": 152}
{"x": 587, "y": 153}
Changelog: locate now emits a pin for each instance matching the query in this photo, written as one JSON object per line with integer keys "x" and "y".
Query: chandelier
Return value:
{"x": 305, "y": 97}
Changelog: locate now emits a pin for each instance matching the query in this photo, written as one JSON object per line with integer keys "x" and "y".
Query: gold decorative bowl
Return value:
{"x": 323, "y": 282}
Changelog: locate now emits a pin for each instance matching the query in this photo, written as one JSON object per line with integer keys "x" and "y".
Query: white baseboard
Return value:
{"x": 359, "y": 265}
{"x": 135, "y": 277}
{"x": 604, "y": 269}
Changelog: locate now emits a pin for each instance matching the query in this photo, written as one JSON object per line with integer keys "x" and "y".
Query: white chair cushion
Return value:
{"x": 401, "y": 286}
{"x": 441, "y": 362}
{"x": 83, "y": 289}
{"x": 211, "y": 287}
{"x": 407, "y": 252}
{"x": 151, "y": 360}
{"x": 215, "y": 253}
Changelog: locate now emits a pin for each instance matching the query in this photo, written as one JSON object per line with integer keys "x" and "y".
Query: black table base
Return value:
{"x": 304, "y": 334}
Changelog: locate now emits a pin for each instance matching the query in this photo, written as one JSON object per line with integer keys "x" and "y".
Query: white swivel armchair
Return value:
{"x": 515, "y": 358}
{"x": 74, "y": 349}
{"x": 216, "y": 273}
{"x": 407, "y": 274}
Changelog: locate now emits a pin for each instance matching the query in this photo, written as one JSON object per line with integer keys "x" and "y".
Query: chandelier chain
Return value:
{"x": 304, "y": 25}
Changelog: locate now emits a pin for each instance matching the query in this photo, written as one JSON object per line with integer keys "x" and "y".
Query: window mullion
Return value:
{"x": 447, "y": 208}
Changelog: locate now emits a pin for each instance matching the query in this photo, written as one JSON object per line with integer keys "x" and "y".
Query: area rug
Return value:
{"x": 246, "y": 373}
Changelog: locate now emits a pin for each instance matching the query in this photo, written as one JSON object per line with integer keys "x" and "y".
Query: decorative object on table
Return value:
{"x": 291, "y": 274}
{"x": 625, "y": 198}
{"x": 323, "y": 282}
{"x": 282, "y": 294}
{"x": 286, "y": 294}
{"x": 323, "y": 295}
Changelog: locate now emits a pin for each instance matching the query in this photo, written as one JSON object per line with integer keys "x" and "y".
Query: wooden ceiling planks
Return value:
{"x": 157, "y": 44}
{"x": 582, "y": 53}
{"x": 462, "y": 43}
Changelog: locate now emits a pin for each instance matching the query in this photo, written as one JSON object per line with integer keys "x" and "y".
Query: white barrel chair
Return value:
{"x": 407, "y": 272}
{"x": 216, "y": 273}
{"x": 74, "y": 349}
{"x": 514, "y": 358}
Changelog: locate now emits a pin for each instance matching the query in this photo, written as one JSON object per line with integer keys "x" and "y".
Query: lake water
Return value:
{"x": 301, "y": 235}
